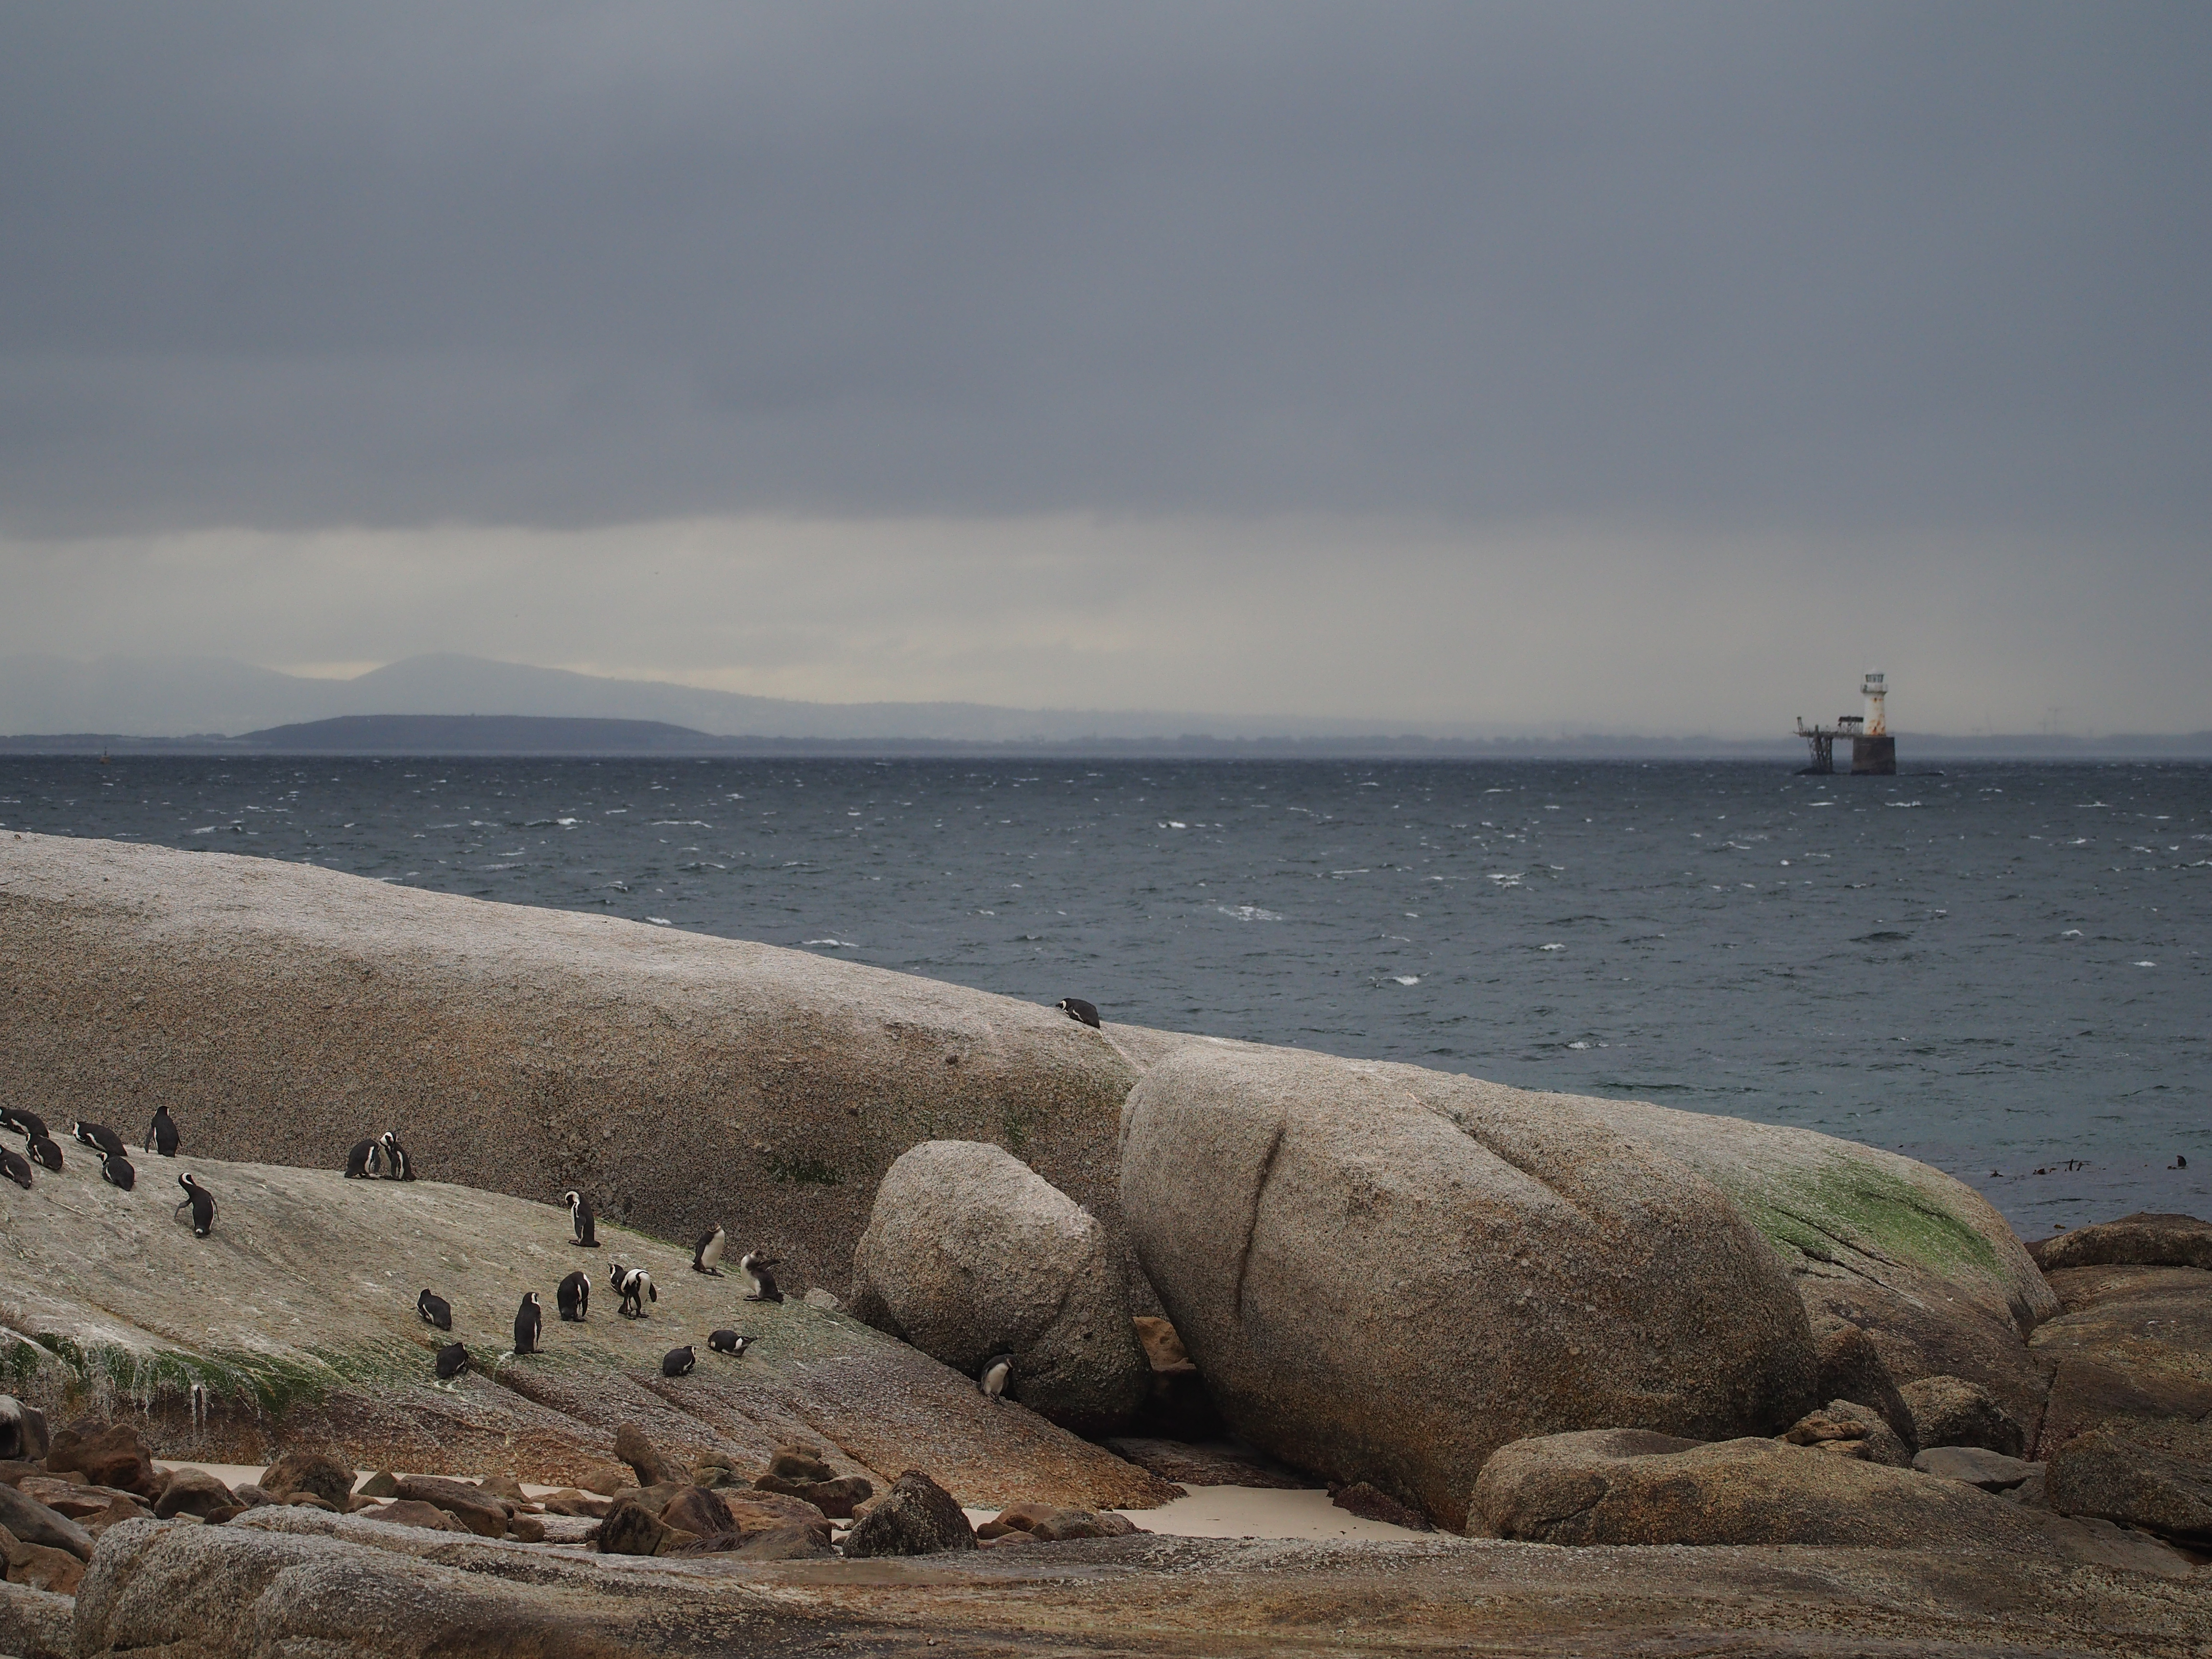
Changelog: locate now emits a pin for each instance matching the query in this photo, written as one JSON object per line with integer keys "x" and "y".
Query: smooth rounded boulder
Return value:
{"x": 969, "y": 1254}
{"x": 1385, "y": 1273}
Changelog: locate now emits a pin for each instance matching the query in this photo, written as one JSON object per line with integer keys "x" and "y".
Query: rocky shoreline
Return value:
{"x": 1656, "y": 1373}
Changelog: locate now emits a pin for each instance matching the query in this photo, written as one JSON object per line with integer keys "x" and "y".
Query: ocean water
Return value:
{"x": 2001, "y": 968}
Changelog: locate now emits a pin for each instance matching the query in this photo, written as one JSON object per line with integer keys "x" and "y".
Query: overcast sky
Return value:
{"x": 1623, "y": 366}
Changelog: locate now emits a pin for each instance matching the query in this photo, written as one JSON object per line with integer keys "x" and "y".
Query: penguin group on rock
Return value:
{"x": 381, "y": 1159}
{"x": 41, "y": 1150}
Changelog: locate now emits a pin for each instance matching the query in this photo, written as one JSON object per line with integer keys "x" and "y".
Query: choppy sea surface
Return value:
{"x": 2001, "y": 968}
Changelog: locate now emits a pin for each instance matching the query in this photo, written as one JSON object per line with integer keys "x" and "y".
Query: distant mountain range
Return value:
{"x": 458, "y": 705}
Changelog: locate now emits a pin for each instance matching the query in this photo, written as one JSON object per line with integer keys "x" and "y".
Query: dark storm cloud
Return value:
{"x": 1857, "y": 266}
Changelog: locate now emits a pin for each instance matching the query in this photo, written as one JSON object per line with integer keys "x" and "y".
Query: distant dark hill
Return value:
{"x": 481, "y": 734}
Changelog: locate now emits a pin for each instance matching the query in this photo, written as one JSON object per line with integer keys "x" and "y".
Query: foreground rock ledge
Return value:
{"x": 297, "y": 1582}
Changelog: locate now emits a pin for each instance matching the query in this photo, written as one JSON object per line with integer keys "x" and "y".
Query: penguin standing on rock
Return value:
{"x": 729, "y": 1342}
{"x": 13, "y": 1166}
{"x": 397, "y": 1166}
{"x": 203, "y": 1206}
{"x": 453, "y": 1360}
{"x": 115, "y": 1169}
{"x": 634, "y": 1285}
{"x": 677, "y": 1361}
{"x": 1077, "y": 1009}
{"x": 46, "y": 1154}
{"x": 434, "y": 1309}
{"x": 98, "y": 1135}
{"x": 997, "y": 1371}
{"x": 162, "y": 1133}
{"x": 579, "y": 1216}
{"x": 754, "y": 1267}
{"x": 529, "y": 1320}
{"x": 574, "y": 1295}
{"x": 365, "y": 1162}
{"x": 707, "y": 1254}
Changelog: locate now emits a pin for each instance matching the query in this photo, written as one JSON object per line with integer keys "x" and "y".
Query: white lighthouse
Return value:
{"x": 1875, "y": 688}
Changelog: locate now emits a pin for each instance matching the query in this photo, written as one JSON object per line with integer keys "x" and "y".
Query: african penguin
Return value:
{"x": 1077, "y": 1009}
{"x": 115, "y": 1169}
{"x": 23, "y": 1121}
{"x": 707, "y": 1253}
{"x": 434, "y": 1309}
{"x": 754, "y": 1267}
{"x": 996, "y": 1371}
{"x": 365, "y": 1162}
{"x": 13, "y": 1166}
{"x": 529, "y": 1320}
{"x": 202, "y": 1204}
{"x": 728, "y": 1342}
{"x": 579, "y": 1216}
{"x": 98, "y": 1134}
{"x": 635, "y": 1286}
{"x": 46, "y": 1154}
{"x": 397, "y": 1166}
{"x": 162, "y": 1133}
{"x": 677, "y": 1361}
{"x": 453, "y": 1360}
{"x": 575, "y": 1296}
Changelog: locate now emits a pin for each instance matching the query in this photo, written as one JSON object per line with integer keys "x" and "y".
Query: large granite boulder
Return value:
{"x": 1949, "y": 1411}
{"x": 1626, "y": 1487}
{"x": 2116, "y": 1477}
{"x": 2141, "y": 1240}
{"x": 1385, "y": 1273}
{"x": 969, "y": 1254}
{"x": 2127, "y": 1353}
{"x": 36, "y": 1624}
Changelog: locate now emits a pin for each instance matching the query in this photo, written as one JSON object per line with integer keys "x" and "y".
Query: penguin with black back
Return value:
{"x": 1077, "y": 1009}
{"x": 115, "y": 1169}
{"x": 14, "y": 1166}
{"x": 574, "y": 1294}
{"x": 453, "y": 1360}
{"x": 98, "y": 1135}
{"x": 729, "y": 1342}
{"x": 529, "y": 1320}
{"x": 707, "y": 1252}
{"x": 677, "y": 1361}
{"x": 580, "y": 1218}
{"x": 24, "y": 1121}
{"x": 634, "y": 1285}
{"x": 365, "y": 1162}
{"x": 46, "y": 1154}
{"x": 397, "y": 1166}
{"x": 434, "y": 1309}
{"x": 162, "y": 1133}
{"x": 998, "y": 1371}
{"x": 754, "y": 1267}
{"x": 203, "y": 1204}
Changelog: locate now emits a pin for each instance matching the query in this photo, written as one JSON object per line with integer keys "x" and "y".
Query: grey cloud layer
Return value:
{"x": 1860, "y": 266}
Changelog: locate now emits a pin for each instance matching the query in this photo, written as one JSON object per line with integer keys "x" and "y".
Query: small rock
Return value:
{"x": 2144, "y": 1240}
{"x": 32, "y": 1523}
{"x": 1850, "y": 1369}
{"x": 1975, "y": 1465}
{"x": 251, "y": 1495}
{"x": 1814, "y": 1427}
{"x": 1063, "y": 1524}
{"x": 917, "y": 1517}
{"x": 308, "y": 1500}
{"x": 120, "y": 1508}
{"x": 696, "y": 1510}
{"x": 475, "y": 1508}
{"x": 505, "y": 1487}
{"x": 608, "y": 1480}
{"x": 1018, "y": 1517}
{"x": 36, "y": 1566}
{"x": 193, "y": 1492}
{"x": 2034, "y": 1492}
{"x": 716, "y": 1476}
{"x": 1164, "y": 1348}
{"x": 569, "y": 1501}
{"x": 631, "y": 1529}
{"x": 36, "y": 1624}
{"x": 1850, "y": 1429}
{"x": 13, "y": 1470}
{"x": 1364, "y": 1501}
{"x": 22, "y": 1431}
{"x": 413, "y": 1512}
{"x": 798, "y": 1463}
{"x": 786, "y": 1543}
{"x": 646, "y": 1462}
{"x": 1949, "y": 1411}
{"x": 762, "y": 1511}
{"x": 525, "y": 1528}
{"x": 310, "y": 1469}
{"x": 110, "y": 1454}
{"x": 819, "y": 1298}
{"x": 382, "y": 1484}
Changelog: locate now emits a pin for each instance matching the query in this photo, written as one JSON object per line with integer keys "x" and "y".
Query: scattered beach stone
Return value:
{"x": 630, "y": 1529}
{"x": 1268, "y": 1193}
{"x": 316, "y": 1469}
{"x": 1851, "y": 1368}
{"x": 800, "y": 1463}
{"x": 120, "y": 1508}
{"x": 70, "y": 1498}
{"x": 1976, "y": 1466}
{"x": 916, "y": 1516}
{"x": 2143, "y": 1239}
{"x": 481, "y": 1513}
{"x": 636, "y": 1450}
{"x": 37, "y": 1623}
{"x": 40, "y": 1567}
{"x": 568, "y": 1528}
{"x": 1950, "y": 1411}
{"x": 413, "y": 1512}
{"x": 1850, "y": 1429}
{"x": 505, "y": 1487}
{"x": 194, "y": 1491}
{"x": 836, "y": 1497}
{"x": 969, "y": 1254}
{"x": 786, "y": 1543}
{"x": 32, "y": 1522}
{"x": 383, "y": 1484}
{"x": 609, "y": 1480}
{"x": 569, "y": 1501}
{"x": 2107, "y": 1474}
{"x": 819, "y": 1297}
{"x": 14, "y": 1470}
{"x": 758, "y": 1511}
{"x": 1362, "y": 1500}
{"x": 696, "y": 1510}
{"x": 526, "y": 1528}
{"x": 308, "y": 1500}
{"x": 2034, "y": 1490}
{"x": 106, "y": 1455}
{"x": 23, "y": 1436}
